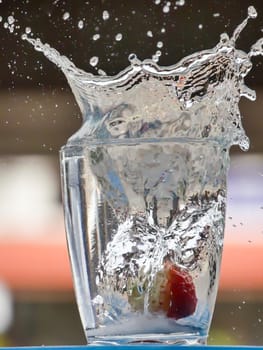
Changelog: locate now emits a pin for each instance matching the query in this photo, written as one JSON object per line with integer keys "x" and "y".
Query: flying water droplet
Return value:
{"x": 102, "y": 72}
{"x": 118, "y": 37}
{"x": 180, "y": 2}
{"x": 134, "y": 60}
{"x": 150, "y": 34}
{"x": 94, "y": 61}
{"x": 166, "y": 8}
{"x": 80, "y": 24}
{"x": 252, "y": 12}
{"x": 10, "y": 19}
{"x": 28, "y": 30}
{"x": 96, "y": 37}
{"x": 66, "y": 16}
{"x": 105, "y": 15}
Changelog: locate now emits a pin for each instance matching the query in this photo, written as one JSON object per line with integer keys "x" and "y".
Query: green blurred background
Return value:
{"x": 37, "y": 115}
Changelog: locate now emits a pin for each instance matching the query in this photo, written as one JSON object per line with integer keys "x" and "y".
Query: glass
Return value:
{"x": 144, "y": 189}
{"x": 145, "y": 223}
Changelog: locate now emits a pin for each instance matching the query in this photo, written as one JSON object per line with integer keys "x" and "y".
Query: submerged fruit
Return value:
{"x": 173, "y": 292}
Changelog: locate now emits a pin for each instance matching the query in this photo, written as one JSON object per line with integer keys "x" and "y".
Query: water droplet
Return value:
{"x": 157, "y": 2}
{"x": 159, "y": 44}
{"x": 252, "y": 12}
{"x": 10, "y": 19}
{"x": 24, "y": 36}
{"x": 155, "y": 58}
{"x": 105, "y": 15}
{"x": 259, "y": 320}
{"x": 94, "y": 61}
{"x": 163, "y": 30}
{"x": 216, "y": 14}
{"x": 150, "y": 34}
{"x": 180, "y": 2}
{"x": 96, "y": 37}
{"x": 200, "y": 26}
{"x": 101, "y": 72}
{"x": 28, "y": 30}
{"x": 1, "y": 18}
{"x": 66, "y": 16}
{"x": 132, "y": 57}
{"x": 80, "y": 24}
{"x": 166, "y": 8}
{"x": 118, "y": 37}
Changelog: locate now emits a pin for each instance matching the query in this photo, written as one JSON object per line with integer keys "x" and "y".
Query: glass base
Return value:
{"x": 151, "y": 339}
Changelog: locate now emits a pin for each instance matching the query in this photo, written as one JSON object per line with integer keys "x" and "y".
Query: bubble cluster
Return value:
{"x": 10, "y": 24}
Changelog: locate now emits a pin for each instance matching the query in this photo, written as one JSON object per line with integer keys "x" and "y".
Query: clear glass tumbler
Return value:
{"x": 145, "y": 225}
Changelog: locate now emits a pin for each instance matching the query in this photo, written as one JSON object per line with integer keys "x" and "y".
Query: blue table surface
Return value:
{"x": 137, "y": 346}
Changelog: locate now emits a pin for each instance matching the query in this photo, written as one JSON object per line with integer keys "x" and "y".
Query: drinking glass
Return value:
{"x": 145, "y": 224}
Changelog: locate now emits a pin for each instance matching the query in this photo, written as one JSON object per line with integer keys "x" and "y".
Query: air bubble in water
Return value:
{"x": 80, "y": 24}
{"x": 105, "y": 15}
{"x": 159, "y": 44}
{"x": 157, "y": 2}
{"x": 94, "y": 61}
{"x": 200, "y": 26}
{"x": 163, "y": 30}
{"x": 217, "y": 14}
{"x": 66, "y": 16}
{"x": 118, "y": 37}
{"x": 150, "y": 34}
{"x": 96, "y": 37}
{"x": 1, "y": 18}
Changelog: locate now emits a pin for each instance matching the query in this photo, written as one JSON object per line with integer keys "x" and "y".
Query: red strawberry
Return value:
{"x": 173, "y": 292}
{"x": 181, "y": 292}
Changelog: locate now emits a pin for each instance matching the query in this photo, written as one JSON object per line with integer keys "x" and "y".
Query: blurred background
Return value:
{"x": 37, "y": 115}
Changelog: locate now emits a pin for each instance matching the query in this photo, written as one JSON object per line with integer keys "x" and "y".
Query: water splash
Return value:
{"x": 204, "y": 88}
{"x": 152, "y": 158}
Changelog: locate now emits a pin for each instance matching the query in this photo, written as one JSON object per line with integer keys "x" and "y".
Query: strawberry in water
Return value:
{"x": 180, "y": 292}
{"x": 173, "y": 292}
